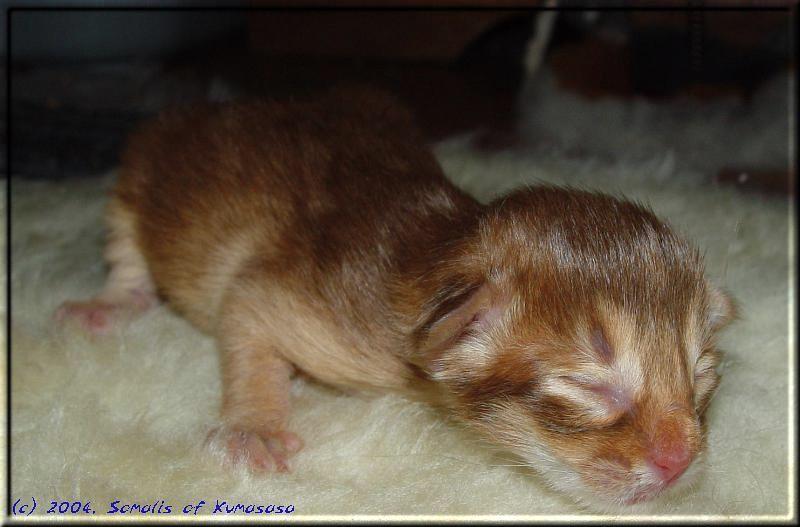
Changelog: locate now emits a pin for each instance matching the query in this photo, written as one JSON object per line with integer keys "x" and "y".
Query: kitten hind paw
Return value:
{"x": 261, "y": 452}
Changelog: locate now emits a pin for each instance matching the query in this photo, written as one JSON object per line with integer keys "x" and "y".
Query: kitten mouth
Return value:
{"x": 643, "y": 495}
{"x": 648, "y": 492}
{"x": 637, "y": 498}
{"x": 629, "y": 491}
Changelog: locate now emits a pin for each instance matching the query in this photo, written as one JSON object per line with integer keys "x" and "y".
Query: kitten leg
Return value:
{"x": 129, "y": 289}
{"x": 255, "y": 408}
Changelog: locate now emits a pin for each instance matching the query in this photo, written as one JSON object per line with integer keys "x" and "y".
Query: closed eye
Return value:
{"x": 706, "y": 378}
{"x": 588, "y": 402}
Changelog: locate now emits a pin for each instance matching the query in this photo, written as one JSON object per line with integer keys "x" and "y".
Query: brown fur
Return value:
{"x": 323, "y": 236}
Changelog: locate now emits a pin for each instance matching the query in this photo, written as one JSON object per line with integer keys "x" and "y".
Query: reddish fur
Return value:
{"x": 323, "y": 236}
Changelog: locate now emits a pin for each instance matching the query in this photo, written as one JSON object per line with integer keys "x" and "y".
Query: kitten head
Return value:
{"x": 577, "y": 330}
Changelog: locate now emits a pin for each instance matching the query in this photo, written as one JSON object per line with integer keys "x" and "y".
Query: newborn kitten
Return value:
{"x": 575, "y": 329}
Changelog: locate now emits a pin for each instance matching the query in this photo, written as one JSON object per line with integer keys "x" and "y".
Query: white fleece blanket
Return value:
{"x": 124, "y": 417}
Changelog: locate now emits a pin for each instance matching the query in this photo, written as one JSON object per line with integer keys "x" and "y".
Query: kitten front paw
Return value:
{"x": 261, "y": 452}
{"x": 96, "y": 317}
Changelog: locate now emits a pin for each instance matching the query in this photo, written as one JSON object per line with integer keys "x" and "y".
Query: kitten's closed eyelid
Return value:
{"x": 605, "y": 389}
{"x": 617, "y": 397}
{"x": 705, "y": 385}
{"x": 708, "y": 359}
{"x": 594, "y": 403}
{"x": 564, "y": 416}
{"x": 705, "y": 378}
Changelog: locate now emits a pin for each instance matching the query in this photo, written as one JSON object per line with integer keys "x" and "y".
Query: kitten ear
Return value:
{"x": 458, "y": 310}
{"x": 721, "y": 308}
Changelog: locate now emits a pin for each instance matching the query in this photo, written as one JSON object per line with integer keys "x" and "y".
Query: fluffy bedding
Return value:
{"x": 124, "y": 417}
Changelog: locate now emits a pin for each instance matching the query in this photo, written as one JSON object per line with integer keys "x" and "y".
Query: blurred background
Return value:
{"x": 511, "y": 78}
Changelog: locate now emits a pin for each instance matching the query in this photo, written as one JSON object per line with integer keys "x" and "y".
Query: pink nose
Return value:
{"x": 670, "y": 460}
